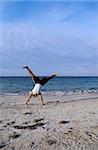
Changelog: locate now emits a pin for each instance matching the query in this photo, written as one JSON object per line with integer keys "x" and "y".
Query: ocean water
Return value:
{"x": 61, "y": 85}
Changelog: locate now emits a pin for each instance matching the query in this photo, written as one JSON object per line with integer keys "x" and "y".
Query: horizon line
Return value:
{"x": 56, "y": 76}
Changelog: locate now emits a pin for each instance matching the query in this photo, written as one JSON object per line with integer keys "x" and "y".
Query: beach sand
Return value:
{"x": 63, "y": 123}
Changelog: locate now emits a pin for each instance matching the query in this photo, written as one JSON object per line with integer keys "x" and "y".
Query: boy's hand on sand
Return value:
{"x": 25, "y": 66}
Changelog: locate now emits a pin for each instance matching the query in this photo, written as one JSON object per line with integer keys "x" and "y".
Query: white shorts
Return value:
{"x": 36, "y": 89}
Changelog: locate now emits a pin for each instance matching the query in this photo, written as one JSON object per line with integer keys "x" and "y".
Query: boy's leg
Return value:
{"x": 29, "y": 98}
{"x": 46, "y": 79}
{"x": 41, "y": 98}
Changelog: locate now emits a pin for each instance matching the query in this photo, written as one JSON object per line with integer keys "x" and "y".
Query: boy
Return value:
{"x": 38, "y": 83}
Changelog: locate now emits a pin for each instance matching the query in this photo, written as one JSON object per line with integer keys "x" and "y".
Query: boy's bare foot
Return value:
{"x": 56, "y": 74}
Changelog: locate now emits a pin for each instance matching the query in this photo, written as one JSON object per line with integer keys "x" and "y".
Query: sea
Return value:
{"x": 58, "y": 85}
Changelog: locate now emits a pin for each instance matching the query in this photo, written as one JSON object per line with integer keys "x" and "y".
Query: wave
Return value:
{"x": 53, "y": 93}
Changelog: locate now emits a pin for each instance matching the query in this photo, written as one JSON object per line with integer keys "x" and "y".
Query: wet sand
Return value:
{"x": 63, "y": 123}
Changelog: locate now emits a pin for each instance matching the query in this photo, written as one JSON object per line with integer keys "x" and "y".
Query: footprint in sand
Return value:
{"x": 14, "y": 135}
{"x": 64, "y": 122}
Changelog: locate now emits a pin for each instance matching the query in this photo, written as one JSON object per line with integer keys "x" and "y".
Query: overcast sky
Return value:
{"x": 49, "y": 37}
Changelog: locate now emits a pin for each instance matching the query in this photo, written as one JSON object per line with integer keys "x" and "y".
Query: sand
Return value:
{"x": 63, "y": 123}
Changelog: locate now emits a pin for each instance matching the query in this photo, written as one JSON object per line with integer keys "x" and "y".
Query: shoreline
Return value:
{"x": 64, "y": 122}
{"x": 54, "y": 92}
{"x": 52, "y": 97}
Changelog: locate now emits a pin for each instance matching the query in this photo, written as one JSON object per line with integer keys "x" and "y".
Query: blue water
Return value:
{"x": 23, "y": 85}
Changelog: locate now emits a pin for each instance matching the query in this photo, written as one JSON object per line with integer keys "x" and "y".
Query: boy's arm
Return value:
{"x": 30, "y": 72}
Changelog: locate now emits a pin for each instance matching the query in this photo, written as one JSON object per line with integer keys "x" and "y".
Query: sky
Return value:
{"x": 49, "y": 36}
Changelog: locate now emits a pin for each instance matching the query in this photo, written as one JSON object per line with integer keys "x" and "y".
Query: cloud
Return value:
{"x": 51, "y": 44}
{"x": 24, "y": 43}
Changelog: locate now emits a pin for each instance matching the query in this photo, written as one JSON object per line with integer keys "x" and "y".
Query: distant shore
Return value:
{"x": 63, "y": 123}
